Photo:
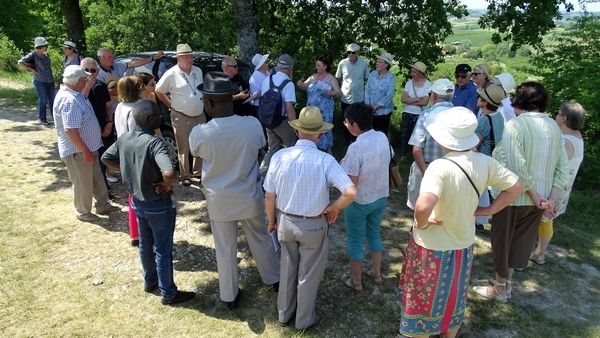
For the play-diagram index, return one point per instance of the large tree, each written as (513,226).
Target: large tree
(74,21)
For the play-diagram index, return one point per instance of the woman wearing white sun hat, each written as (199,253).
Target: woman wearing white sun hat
(440,251)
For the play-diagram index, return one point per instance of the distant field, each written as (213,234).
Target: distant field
(469,31)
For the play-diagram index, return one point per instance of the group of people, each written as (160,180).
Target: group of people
(464,137)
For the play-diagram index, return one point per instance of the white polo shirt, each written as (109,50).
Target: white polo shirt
(185,97)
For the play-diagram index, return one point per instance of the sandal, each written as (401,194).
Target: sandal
(537,260)
(492,292)
(347,280)
(376,279)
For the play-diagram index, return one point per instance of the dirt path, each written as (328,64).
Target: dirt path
(560,291)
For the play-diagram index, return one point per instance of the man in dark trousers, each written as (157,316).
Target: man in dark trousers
(148,176)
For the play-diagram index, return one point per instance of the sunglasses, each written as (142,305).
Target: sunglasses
(460,76)
(90,70)
(351,52)
(475,74)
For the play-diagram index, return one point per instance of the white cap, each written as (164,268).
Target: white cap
(442,86)
(506,81)
(40,42)
(74,72)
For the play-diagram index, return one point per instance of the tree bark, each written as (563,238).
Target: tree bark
(246,17)
(74,20)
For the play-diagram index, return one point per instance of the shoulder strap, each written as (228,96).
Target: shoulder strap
(493,142)
(468,177)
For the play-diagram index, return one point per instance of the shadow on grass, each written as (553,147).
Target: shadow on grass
(192,257)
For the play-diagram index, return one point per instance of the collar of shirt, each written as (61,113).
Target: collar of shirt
(148,131)
(306,143)
(365,134)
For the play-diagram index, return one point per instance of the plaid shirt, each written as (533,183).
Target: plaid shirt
(420,136)
(300,177)
(72,110)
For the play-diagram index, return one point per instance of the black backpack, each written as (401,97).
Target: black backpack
(269,110)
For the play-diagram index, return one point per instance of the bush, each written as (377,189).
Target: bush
(570,69)
(9,53)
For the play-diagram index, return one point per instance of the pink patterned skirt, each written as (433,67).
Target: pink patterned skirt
(434,286)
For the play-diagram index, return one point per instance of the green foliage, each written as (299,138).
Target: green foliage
(523,22)
(20,22)
(570,71)
(410,29)
(9,53)
(141,25)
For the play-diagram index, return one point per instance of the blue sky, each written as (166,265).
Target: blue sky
(481,4)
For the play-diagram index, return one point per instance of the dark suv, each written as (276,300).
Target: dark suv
(208,62)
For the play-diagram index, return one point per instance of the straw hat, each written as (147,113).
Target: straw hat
(453,128)
(420,66)
(70,44)
(183,49)
(387,57)
(493,94)
(310,121)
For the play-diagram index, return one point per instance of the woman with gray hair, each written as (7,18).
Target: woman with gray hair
(570,120)
(439,256)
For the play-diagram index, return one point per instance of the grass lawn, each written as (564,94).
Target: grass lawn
(62,277)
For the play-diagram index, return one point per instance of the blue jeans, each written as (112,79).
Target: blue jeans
(363,221)
(45,94)
(156,222)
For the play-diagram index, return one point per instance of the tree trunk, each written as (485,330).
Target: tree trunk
(74,20)
(245,13)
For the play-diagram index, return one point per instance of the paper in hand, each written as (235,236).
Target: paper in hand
(276,245)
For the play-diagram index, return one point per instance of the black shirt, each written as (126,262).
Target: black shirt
(238,107)
(98,97)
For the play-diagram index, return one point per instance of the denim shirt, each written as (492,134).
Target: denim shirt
(380,91)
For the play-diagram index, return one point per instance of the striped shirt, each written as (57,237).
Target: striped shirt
(72,110)
(532,147)
(421,137)
(300,177)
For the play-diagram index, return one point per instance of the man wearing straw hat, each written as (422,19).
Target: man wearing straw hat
(186,105)
(229,145)
(298,208)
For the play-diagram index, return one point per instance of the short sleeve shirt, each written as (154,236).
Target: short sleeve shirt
(300,177)
(288,93)
(185,96)
(41,64)
(143,157)
(353,76)
(421,91)
(72,110)
(118,69)
(446,181)
(466,96)
(368,158)
(256,81)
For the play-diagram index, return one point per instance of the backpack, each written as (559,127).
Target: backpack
(269,109)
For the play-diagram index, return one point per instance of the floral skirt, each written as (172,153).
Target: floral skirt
(434,286)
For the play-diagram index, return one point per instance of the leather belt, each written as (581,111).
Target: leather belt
(303,217)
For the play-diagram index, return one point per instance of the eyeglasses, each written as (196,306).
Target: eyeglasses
(90,70)
(460,76)
(233,66)
(349,52)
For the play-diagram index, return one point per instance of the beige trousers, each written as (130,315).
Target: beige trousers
(88,183)
(182,127)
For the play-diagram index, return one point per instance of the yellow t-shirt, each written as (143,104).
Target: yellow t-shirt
(457,199)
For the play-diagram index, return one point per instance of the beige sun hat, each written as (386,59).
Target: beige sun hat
(183,49)
(310,121)
(420,66)
(70,44)
(387,57)
(493,94)
(453,128)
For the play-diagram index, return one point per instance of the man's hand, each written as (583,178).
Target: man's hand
(331,213)
(158,55)
(88,157)
(162,187)
(429,222)
(271,227)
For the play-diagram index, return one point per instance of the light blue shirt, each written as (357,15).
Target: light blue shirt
(72,110)
(380,91)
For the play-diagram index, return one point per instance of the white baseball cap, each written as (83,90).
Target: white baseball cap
(74,72)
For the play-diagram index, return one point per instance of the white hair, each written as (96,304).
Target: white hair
(70,81)
(102,51)
(89,60)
